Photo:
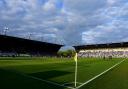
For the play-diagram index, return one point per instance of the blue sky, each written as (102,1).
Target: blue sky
(71,22)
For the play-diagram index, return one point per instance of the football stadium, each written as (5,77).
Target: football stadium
(63,44)
(29,64)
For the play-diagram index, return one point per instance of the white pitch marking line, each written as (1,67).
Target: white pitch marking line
(45,81)
(99,75)
(49,82)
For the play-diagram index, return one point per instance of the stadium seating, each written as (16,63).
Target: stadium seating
(108,52)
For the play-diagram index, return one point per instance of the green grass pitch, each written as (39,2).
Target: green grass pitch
(58,73)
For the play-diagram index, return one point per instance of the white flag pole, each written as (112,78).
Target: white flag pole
(76,73)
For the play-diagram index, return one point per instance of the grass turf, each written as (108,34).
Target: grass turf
(12,71)
(117,78)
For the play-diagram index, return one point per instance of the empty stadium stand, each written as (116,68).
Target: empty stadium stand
(99,46)
(9,44)
(115,50)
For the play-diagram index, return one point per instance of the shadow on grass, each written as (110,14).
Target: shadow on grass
(50,74)
(12,80)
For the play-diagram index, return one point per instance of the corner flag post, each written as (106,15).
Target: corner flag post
(75,58)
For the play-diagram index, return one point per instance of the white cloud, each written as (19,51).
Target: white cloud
(111,2)
(49,6)
(71,21)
